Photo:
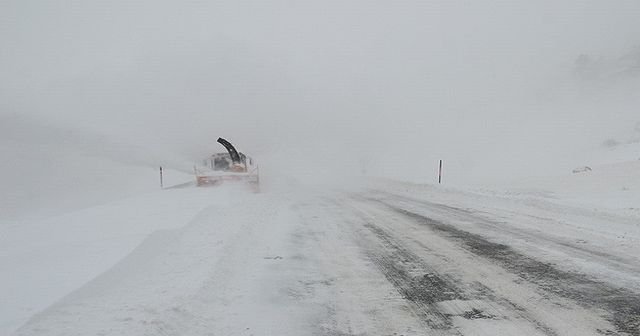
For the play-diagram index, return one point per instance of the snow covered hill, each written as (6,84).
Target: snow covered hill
(48,170)
(72,204)
(45,259)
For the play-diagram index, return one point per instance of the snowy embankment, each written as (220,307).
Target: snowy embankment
(72,205)
(43,260)
(612,188)
(220,273)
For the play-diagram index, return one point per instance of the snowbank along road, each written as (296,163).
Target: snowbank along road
(375,262)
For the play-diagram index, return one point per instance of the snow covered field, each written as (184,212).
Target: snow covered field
(384,258)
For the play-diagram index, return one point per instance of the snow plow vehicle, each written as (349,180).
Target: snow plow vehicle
(229,167)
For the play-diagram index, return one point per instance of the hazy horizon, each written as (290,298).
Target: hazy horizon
(326,88)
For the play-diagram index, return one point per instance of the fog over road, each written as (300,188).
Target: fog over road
(372,262)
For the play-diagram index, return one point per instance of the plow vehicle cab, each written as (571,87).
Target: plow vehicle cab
(231,166)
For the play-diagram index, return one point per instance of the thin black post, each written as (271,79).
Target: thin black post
(161,182)
(440,173)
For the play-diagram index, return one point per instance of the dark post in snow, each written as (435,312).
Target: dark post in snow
(161,184)
(440,173)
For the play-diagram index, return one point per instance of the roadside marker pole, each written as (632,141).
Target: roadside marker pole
(440,173)
(161,183)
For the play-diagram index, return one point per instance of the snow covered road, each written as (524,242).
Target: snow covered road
(372,262)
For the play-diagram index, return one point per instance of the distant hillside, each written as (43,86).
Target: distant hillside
(590,67)
(47,170)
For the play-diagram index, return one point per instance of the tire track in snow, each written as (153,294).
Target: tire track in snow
(357,298)
(614,262)
(623,305)
(439,298)
(415,281)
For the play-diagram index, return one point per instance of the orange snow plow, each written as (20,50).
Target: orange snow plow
(233,166)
